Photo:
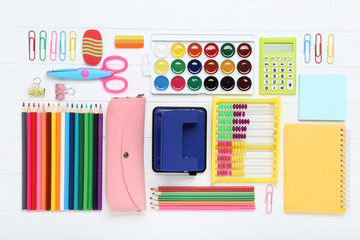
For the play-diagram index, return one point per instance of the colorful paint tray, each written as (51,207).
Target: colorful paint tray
(207,64)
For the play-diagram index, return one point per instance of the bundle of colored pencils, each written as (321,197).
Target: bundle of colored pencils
(203,198)
(62,157)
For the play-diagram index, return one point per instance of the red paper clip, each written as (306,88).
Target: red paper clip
(318,48)
(32,37)
(269,198)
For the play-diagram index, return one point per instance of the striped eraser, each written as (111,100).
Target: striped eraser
(92,46)
(125,41)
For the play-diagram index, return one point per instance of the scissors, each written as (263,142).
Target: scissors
(105,73)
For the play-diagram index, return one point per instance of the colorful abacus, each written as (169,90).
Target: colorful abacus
(245,139)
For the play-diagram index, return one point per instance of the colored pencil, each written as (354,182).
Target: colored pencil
(28,157)
(91,158)
(95,160)
(204,203)
(203,188)
(203,198)
(71,157)
(81,158)
(203,207)
(86,158)
(67,157)
(38,157)
(53,157)
(76,158)
(33,158)
(100,138)
(48,158)
(43,158)
(205,193)
(58,158)
(62,160)
(24,156)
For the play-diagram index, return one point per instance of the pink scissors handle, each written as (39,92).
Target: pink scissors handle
(113,77)
(105,67)
(107,79)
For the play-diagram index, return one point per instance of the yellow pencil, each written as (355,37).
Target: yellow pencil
(53,156)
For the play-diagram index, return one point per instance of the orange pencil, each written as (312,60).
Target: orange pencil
(57,162)
(43,158)
(204,203)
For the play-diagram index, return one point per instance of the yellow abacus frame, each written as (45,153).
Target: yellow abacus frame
(275,146)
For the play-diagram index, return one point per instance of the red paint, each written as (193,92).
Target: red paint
(211,66)
(194,50)
(178,83)
(211,50)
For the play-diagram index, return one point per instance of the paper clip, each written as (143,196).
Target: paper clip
(32,37)
(269,198)
(35,90)
(307,48)
(61,90)
(318,48)
(53,46)
(42,40)
(62,46)
(72,37)
(330,58)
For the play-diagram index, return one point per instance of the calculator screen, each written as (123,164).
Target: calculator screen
(278,47)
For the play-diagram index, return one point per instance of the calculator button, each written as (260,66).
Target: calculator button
(282,70)
(290,85)
(278,58)
(266,58)
(274,88)
(281,88)
(282,75)
(291,58)
(290,64)
(274,64)
(290,70)
(266,64)
(290,76)
(266,88)
(282,64)
(274,70)
(284,58)
(266,75)
(273,81)
(266,81)
(272,58)
(281,81)
(273,75)
(266,69)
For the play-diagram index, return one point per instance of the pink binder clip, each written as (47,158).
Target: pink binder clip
(269,198)
(61,90)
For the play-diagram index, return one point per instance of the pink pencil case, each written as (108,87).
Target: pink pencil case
(125,180)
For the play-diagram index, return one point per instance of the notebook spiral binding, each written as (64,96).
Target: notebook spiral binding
(344,192)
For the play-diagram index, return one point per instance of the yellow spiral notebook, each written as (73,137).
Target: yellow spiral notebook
(315,168)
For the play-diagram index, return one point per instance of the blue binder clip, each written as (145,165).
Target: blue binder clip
(307,47)
(179,140)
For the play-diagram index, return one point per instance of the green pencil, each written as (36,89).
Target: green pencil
(206,193)
(81,158)
(91,157)
(86,158)
(203,198)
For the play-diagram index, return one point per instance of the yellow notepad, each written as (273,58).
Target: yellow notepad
(315,168)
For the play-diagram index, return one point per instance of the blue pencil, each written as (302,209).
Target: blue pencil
(76,160)
(67,151)
(71,158)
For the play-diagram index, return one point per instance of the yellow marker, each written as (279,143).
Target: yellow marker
(178,50)
(161,66)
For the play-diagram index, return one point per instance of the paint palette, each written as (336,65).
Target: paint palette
(208,64)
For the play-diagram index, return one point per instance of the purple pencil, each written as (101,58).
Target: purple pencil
(100,138)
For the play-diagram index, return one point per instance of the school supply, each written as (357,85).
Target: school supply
(53,46)
(330,54)
(35,90)
(24,154)
(203,198)
(125,41)
(322,97)
(193,64)
(62,46)
(125,180)
(307,48)
(277,66)
(32,41)
(48,158)
(105,73)
(315,168)
(269,198)
(179,139)
(92,47)
(61,91)
(318,48)
(72,48)
(245,137)
(42,45)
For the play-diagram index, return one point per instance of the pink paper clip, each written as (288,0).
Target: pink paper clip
(269,198)
(53,46)
(61,90)
(318,48)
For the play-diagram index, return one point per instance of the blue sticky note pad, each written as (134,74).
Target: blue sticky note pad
(322,97)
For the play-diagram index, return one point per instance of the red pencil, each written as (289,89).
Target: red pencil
(204,188)
(28,158)
(33,158)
